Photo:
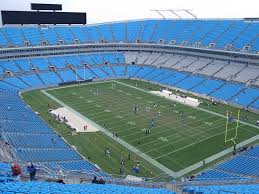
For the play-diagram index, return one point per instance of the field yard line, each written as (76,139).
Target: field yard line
(199,108)
(120,141)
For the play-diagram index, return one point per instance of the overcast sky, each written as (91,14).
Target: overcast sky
(115,10)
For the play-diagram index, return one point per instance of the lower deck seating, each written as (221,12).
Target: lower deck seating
(32,139)
(240,167)
(224,189)
(51,188)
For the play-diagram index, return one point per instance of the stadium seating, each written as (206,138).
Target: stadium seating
(47,188)
(238,33)
(249,188)
(240,167)
(32,139)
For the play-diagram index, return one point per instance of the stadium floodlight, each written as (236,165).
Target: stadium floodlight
(175,12)
(159,12)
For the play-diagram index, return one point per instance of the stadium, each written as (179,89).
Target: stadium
(137,106)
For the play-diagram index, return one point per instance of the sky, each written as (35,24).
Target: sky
(117,10)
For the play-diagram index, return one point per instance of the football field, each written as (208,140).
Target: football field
(179,135)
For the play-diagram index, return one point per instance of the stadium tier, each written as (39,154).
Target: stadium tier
(237,33)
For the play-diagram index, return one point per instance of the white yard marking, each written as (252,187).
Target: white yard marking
(191,117)
(164,139)
(118,116)
(208,123)
(131,123)
(107,110)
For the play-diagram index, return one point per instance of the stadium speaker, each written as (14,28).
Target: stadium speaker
(247,48)
(26,43)
(172,42)
(44,43)
(197,44)
(60,42)
(212,45)
(161,41)
(77,41)
(228,47)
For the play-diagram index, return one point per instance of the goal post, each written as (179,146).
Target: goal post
(236,128)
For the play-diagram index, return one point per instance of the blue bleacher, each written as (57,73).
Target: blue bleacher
(106,33)
(148,29)
(119,70)
(65,34)
(208,86)
(255,104)
(3,40)
(217,175)
(9,66)
(222,32)
(189,82)
(227,91)
(85,73)
(58,62)
(92,33)
(6,86)
(28,140)
(119,30)
(50,78)
(49,35)
(33,35)
(16,82)
(40,63)
(67,75)
(145,70)
(32,80)
(241,167)
(108,70)
(25,126)
(100,74)
(74,60)
(246,97)
(224,189)
(250,165)
(23,64)
(15,35)
(174,78)
(45,187)
(132,70)
(133,31)
(216,32)
(80,34)
(87,59)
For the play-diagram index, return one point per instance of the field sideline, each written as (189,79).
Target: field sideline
(176,141)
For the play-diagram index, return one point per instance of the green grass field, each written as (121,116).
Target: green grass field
(176,141)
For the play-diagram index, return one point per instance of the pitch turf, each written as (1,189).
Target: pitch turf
(176,141)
